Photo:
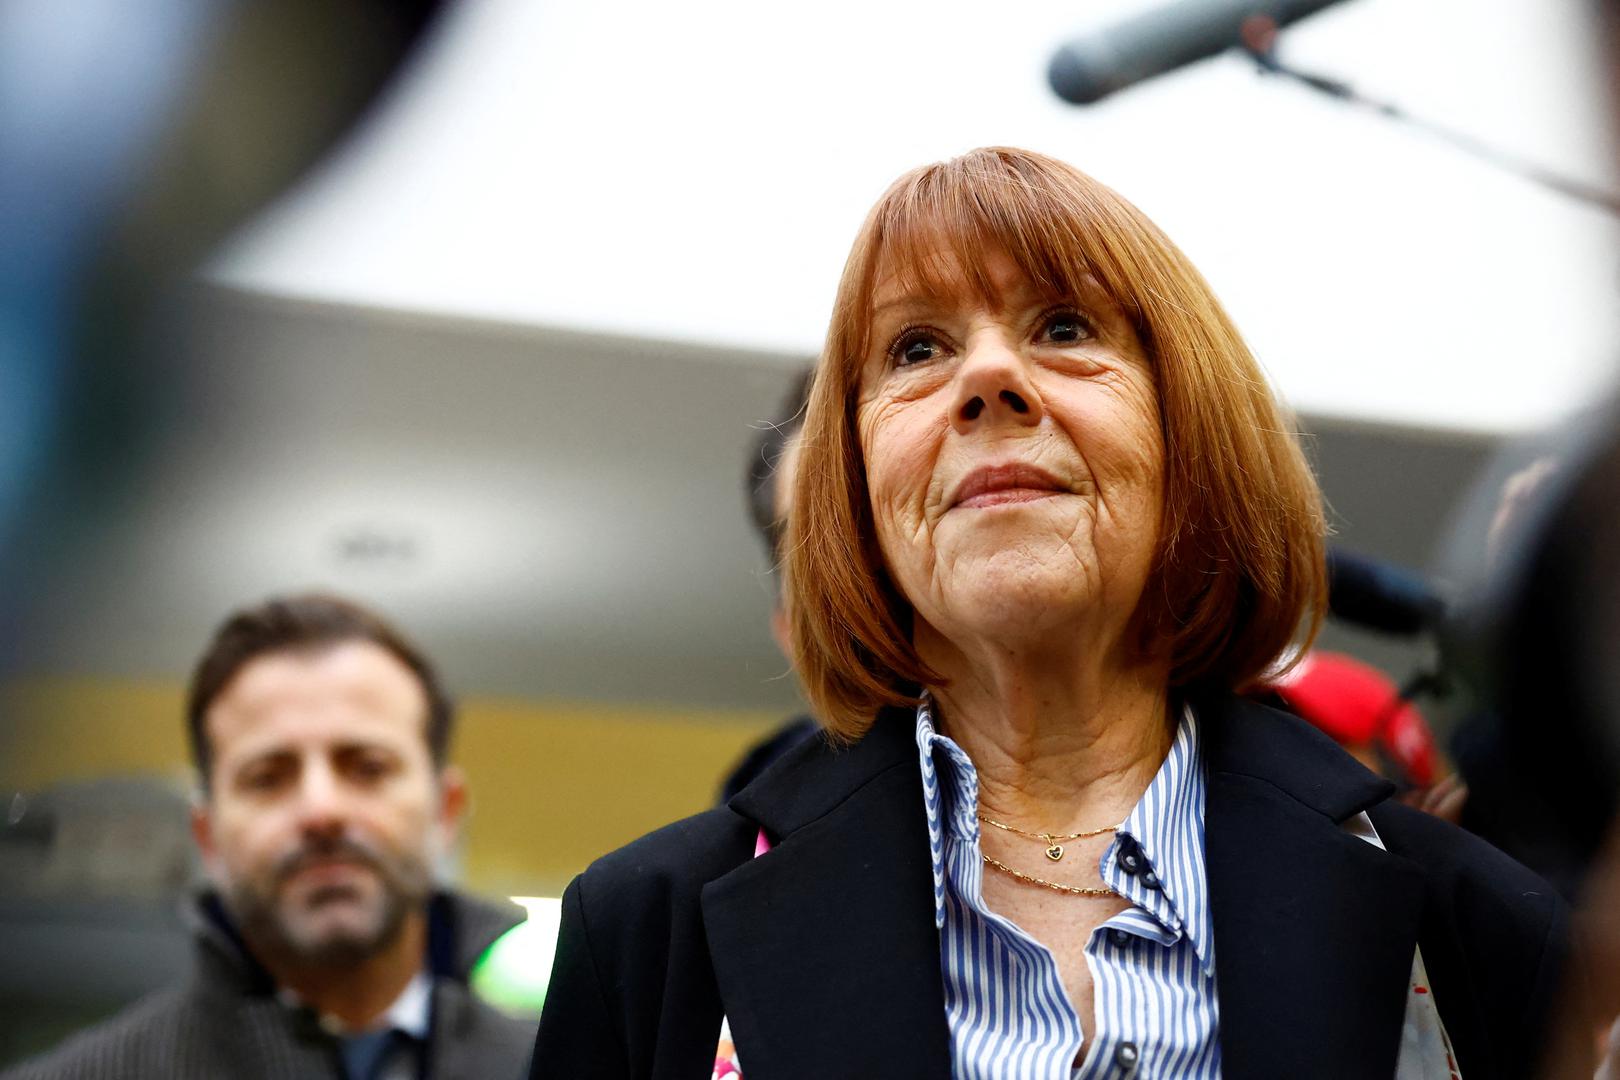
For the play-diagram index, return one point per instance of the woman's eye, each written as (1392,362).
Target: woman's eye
(914,347)
(1066,327)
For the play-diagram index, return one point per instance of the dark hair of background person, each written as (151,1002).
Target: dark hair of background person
(765,454)
(307,623)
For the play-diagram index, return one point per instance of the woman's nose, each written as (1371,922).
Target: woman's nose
(993,386)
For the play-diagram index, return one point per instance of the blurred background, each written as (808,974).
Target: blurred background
(494,366)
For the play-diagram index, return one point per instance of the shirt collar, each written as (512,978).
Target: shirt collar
(411,1012)
(951,804)
(1167,824)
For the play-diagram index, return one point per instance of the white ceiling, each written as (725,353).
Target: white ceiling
(694,172)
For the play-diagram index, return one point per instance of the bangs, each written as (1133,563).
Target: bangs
(936,231)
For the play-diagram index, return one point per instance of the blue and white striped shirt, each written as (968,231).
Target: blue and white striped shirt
(1152,965)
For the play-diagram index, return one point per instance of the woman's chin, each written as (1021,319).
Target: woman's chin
(1029,603)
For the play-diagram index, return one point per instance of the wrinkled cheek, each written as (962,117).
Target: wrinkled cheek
(898,456)
(903,540)
(888,535)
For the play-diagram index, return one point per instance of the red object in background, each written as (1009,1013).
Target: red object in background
(1357,704)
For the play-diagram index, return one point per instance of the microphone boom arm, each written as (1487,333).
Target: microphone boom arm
(1262,48)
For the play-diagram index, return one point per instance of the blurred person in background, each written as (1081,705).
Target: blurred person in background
(1047,519)
(768,488)
(1537,644)
(326,803)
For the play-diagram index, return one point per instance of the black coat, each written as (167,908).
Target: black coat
(824,956)
(226,1021)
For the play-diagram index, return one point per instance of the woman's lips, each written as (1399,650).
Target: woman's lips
(1000,485)
(1007,495)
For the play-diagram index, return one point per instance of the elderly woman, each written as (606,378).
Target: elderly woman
(1048,518)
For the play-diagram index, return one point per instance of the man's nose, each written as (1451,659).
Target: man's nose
(322,803)
(993,385)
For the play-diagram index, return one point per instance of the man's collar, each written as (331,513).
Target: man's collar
(222,952)
(410,1013)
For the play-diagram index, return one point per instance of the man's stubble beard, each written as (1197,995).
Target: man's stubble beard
(403,884)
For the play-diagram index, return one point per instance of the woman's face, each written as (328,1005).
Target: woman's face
(1014,458)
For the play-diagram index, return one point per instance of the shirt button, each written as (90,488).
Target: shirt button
(1150,880)
(1119,937)
(1126,1055)
(1130,860)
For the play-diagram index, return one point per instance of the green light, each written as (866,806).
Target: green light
(513,972)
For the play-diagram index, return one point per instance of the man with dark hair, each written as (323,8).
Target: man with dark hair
(768,486)
(320,737)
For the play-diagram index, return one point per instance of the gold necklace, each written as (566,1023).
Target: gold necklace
(1031,879)
(1054,850)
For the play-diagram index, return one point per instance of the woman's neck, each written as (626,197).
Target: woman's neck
(1062,741)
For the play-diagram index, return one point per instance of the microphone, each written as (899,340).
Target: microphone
(1088,69)
(1379,596)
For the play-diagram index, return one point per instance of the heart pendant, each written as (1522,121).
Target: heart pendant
(1055,852)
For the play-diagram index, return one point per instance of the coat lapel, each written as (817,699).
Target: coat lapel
(1314,927)
(826,954)
(824,948)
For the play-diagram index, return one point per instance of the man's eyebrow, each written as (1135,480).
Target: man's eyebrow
(268,752)
(364,746)
(259,757)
